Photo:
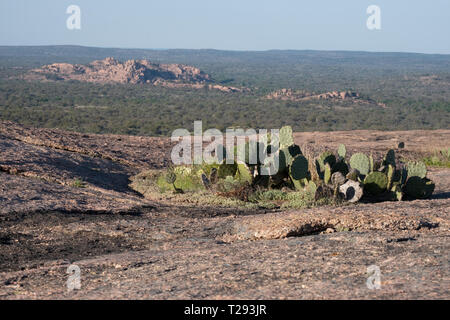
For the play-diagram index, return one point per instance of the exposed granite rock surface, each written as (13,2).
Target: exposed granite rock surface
(129,247)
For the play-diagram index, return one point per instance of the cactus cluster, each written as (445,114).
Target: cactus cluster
(328,175)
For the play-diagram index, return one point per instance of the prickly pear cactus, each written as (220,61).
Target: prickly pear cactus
(311,189)
(371,164)
(342,151)
(404,176)
(360,162)
(324,158)
(390,175)
(389,158)
(299,168)
(226,170)
(245,174)
(353,174)
(415,187)
(286,137)
(341,167)
(397,192)
(417,169)
(288,154)
(327,173)
(375,183)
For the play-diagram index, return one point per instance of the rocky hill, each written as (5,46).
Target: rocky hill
(302,95)
(111,70)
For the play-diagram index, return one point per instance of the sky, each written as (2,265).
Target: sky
(406,25)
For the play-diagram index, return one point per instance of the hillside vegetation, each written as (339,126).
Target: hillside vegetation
(415,89)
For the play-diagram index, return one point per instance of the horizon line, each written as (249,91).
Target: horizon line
(226,50)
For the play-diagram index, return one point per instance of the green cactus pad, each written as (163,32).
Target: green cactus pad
(360,162)
(341,167)
(415,187)
(417,169)
(371,164)
(226,170)
(286,137)
(389,158)
(245,175)
(397,192)
(299,168)
(327,173)
(324,158)
(311,189)
(342,151)
(375,183)
(390,175)
(404,176)
(288,154)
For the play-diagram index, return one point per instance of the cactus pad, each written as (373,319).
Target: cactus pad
(360,162)
(415,187)
(288,154)
(341,167)
(286,137)
(417,169)
(326,157)
(245,175)
(311,189)
(226,170)
(390,175)
(342,151)
(397,192)
(389,158)
(327,173)
(375,183)
(299,168)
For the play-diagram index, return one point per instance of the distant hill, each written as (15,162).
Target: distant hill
(310,90)
(274,69)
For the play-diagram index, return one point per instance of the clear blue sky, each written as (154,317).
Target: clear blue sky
(407,25)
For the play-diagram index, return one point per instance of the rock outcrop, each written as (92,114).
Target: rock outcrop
(289,94)
(302,95)
(112,70)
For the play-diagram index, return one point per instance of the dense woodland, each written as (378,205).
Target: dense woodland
(414,87)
